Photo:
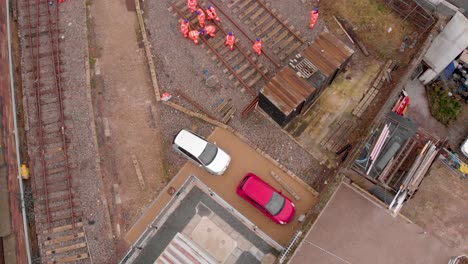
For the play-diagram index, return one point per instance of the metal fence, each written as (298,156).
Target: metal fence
(412,12)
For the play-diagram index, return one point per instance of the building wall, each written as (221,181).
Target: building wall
(446,47)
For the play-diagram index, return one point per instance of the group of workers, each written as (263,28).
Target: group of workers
(210,30)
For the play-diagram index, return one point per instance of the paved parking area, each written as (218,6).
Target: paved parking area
(244,159)
(354,228)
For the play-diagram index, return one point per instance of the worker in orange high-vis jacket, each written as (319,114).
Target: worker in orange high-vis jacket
(210,30)
(257,46)
(212,14)
(201,17)
(193,35)
(192,5)
(230,40)
(314,15)
(184,27)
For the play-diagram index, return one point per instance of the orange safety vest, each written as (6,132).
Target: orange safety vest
(192,5)
(193,35)
(230,40)
(210,30)
(257,47)
(184,28)
(201,17)
(212,14)
(313,18)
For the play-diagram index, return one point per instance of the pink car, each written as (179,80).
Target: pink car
(267,199)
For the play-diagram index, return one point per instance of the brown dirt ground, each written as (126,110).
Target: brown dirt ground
(123,95)
(441,207)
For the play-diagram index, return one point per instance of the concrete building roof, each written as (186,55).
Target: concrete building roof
(446,47)
(354,228)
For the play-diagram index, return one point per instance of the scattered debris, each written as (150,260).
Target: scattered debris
(285,186)
(352,34)
(136,164)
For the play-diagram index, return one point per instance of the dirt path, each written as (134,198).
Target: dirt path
(126,113)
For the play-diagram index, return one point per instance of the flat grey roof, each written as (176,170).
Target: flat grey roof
(354,228)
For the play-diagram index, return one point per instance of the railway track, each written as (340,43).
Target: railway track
(239,63)
(59,226)
(277,35)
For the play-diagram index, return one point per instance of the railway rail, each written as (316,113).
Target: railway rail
(268,24)
(239,62)
(59,226)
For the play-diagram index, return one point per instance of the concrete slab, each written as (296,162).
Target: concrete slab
(353,228)
(245,159)
(214,240)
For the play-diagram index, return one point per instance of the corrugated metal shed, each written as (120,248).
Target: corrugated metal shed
(287,90)
(328,53)
(326,56)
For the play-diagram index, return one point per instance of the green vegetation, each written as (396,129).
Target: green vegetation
(371,20)
(92,61)
(443,107)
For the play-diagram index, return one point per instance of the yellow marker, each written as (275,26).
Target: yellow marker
(24,171)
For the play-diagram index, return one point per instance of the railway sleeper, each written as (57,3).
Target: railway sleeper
(60,230)
(51,183)
(272,33)
(285,43)
(65,197)
(267,17)
(57,208)
(51,241)
(254,80)
(244,4)
(248,10)
(249,74)
(25,27)
(236,60)
(263,30)
(233,3)
(55,189)
(69,259)
(66,248)
(55,217)
(278,39)
(291,49)
(42,42)
(254,17)
(242,68)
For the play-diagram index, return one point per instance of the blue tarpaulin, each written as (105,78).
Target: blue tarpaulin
(449,70)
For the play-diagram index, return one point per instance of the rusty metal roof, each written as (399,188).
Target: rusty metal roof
(328,53)
(287,90)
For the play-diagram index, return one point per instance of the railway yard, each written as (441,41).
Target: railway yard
(103,86)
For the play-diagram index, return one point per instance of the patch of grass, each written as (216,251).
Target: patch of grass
(88,3)
(371,20)
(93,83)
(443,107)
(92,61)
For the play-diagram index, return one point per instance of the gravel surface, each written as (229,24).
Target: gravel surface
(78,119)
(74,53)
(182,65)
